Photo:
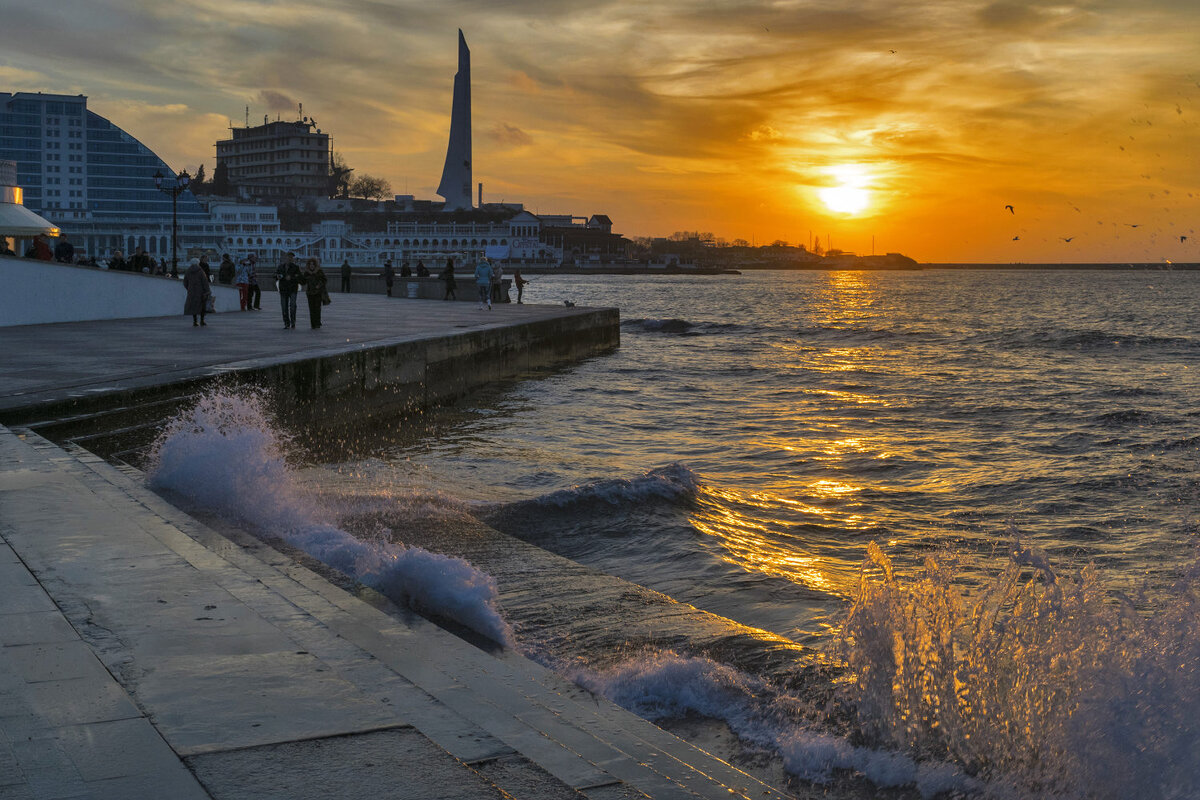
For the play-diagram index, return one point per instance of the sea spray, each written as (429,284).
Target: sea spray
(226,456)
(1042,683)
(665,684)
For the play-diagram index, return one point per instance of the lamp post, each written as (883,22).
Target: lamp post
(181,184)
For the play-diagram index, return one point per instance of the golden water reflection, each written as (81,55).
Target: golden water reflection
(751,542)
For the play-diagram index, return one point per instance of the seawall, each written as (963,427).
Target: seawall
(372,354)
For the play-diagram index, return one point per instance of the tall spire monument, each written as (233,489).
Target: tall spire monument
(456,174)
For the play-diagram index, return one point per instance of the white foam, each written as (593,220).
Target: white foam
(666,684)
(226,456)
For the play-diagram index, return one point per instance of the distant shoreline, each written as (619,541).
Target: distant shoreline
(1115,265)
(737,269)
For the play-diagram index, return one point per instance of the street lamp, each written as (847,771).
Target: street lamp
(181,184)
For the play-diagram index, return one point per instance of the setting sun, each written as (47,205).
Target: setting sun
(850,195)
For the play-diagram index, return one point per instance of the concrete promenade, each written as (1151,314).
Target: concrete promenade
(366,341)
(145,655)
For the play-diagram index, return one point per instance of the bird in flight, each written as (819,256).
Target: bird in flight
(1010,210)
(1183,238)
(1066,238)
(1016,238)
(1132,225)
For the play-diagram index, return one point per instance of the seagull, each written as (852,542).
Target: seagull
(1010,210)
(1015,238)
(1066,238)
(1183,238)
(1132,225)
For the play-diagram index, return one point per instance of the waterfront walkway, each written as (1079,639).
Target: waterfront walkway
(44,363)
(145,655)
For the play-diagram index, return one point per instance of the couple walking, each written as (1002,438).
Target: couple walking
(289,277)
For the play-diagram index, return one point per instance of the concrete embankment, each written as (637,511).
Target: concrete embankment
(372,354)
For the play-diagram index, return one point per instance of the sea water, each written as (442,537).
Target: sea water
(974,492)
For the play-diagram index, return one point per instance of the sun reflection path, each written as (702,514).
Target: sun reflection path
(744,527)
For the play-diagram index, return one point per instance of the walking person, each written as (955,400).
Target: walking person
(483,281)
(389,276)
(497,283)
(313,278)
(287,279)
(520,282)
(255,300)
(199,290)
(241,277)
(345,276)
(451,282)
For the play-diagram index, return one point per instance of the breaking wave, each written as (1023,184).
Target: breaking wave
(225,456)
(674,483)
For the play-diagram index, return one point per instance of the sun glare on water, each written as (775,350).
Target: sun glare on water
(850,194)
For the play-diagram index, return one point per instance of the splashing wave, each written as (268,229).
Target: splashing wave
(225,456)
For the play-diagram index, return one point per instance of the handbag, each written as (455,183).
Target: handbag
(325,299)
(210,304)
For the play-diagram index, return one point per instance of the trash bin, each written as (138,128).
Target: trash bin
(414,291)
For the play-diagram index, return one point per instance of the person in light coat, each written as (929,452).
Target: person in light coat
(483,281)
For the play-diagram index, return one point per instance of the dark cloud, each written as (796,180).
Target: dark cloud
(509,135)
(276,101)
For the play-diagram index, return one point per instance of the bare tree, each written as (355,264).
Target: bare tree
(369,187)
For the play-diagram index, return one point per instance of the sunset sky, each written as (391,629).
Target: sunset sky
(915,123)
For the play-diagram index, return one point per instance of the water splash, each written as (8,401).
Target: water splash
(665,684)
(226,456)
(1043,683)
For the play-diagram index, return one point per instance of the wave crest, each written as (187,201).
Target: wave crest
(226,456)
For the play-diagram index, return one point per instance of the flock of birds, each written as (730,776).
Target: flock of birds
(1009,208)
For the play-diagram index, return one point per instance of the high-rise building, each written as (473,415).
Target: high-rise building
(276,161)
(456,174)
(93,179)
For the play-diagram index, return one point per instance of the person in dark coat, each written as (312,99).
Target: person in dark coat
(118,262)
(389,276)
(422,272)
(346,276)
(287,279)
(64,251)
(451,282)
(226,270)
(255,289)
(198,292)
(520,283)
(313,278)
(140,261)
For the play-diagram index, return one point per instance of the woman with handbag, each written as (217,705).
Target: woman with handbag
(313,278)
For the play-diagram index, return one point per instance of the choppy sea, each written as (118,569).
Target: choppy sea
(969,496)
